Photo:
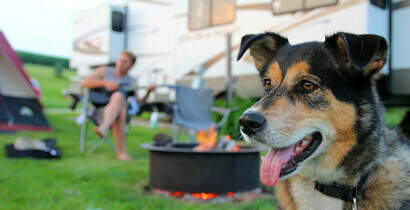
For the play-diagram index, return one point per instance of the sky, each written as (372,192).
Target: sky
(41,26)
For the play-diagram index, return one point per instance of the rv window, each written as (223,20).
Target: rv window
(207,13)
(117,21)
(199,14)
(223,11)
(286,6)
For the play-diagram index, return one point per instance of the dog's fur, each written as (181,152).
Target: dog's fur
(343,106)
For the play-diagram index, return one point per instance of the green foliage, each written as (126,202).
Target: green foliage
(395,115)
(58,69)
(42,59)
(231,126)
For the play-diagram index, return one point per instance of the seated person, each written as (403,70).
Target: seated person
(114,114)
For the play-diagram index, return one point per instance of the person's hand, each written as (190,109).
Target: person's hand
(151,88)
(110,85)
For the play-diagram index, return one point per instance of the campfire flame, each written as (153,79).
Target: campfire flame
(208,141)
(202,196)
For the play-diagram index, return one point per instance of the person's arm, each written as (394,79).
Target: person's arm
(150,88)
(96,80)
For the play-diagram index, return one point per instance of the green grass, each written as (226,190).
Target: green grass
(96,180)
(51,85)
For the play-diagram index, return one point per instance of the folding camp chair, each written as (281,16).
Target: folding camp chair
(192,111)
(88,113)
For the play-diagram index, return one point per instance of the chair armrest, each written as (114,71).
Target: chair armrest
(74,96)
(226,112)
(219,110)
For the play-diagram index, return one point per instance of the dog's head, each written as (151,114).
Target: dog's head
(309,112)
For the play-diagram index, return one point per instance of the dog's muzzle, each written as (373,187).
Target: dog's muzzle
(251,122)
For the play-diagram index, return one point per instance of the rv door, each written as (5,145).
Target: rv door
(118,32)
(400,45)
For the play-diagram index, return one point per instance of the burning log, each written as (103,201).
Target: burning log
(207,142)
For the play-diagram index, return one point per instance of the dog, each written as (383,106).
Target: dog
(323,120)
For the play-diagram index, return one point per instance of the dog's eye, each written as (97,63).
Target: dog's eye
(268,84)
(308,86)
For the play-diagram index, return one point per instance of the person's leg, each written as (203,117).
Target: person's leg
(118,130)
(111,111)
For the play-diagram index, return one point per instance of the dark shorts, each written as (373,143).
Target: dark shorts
(96,115)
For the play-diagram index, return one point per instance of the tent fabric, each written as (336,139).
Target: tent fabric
(11,64)
(11,81)
(20,108)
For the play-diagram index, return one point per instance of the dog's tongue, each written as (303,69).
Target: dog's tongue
(272,164)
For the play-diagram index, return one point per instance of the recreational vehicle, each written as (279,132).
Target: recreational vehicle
(184,41)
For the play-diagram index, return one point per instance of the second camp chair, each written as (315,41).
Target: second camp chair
(192,110)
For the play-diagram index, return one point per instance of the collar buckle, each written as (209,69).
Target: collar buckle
(354,204)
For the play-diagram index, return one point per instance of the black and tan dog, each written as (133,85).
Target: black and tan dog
(324,123)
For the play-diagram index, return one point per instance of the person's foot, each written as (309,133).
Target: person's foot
(99,132)
(124,157)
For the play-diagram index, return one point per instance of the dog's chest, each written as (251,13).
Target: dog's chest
(307,197)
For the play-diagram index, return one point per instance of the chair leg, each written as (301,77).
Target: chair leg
(110,143)
(83,136)
(174,132)
(95,146)
(191,135)
(98,142)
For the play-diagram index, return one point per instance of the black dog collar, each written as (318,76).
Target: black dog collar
(345,193)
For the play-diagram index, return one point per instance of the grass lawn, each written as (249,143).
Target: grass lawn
(51,85)
(91,181)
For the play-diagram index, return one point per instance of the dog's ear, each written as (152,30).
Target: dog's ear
(263,47)
(364,54)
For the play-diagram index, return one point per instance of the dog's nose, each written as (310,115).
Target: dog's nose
(251,122)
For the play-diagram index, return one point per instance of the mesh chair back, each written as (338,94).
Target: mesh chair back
(193,108)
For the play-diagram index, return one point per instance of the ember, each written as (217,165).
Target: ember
(204,196)
(213,197)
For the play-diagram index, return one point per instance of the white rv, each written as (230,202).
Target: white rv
(178,41)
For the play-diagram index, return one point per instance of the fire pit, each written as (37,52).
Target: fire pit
(179,169)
